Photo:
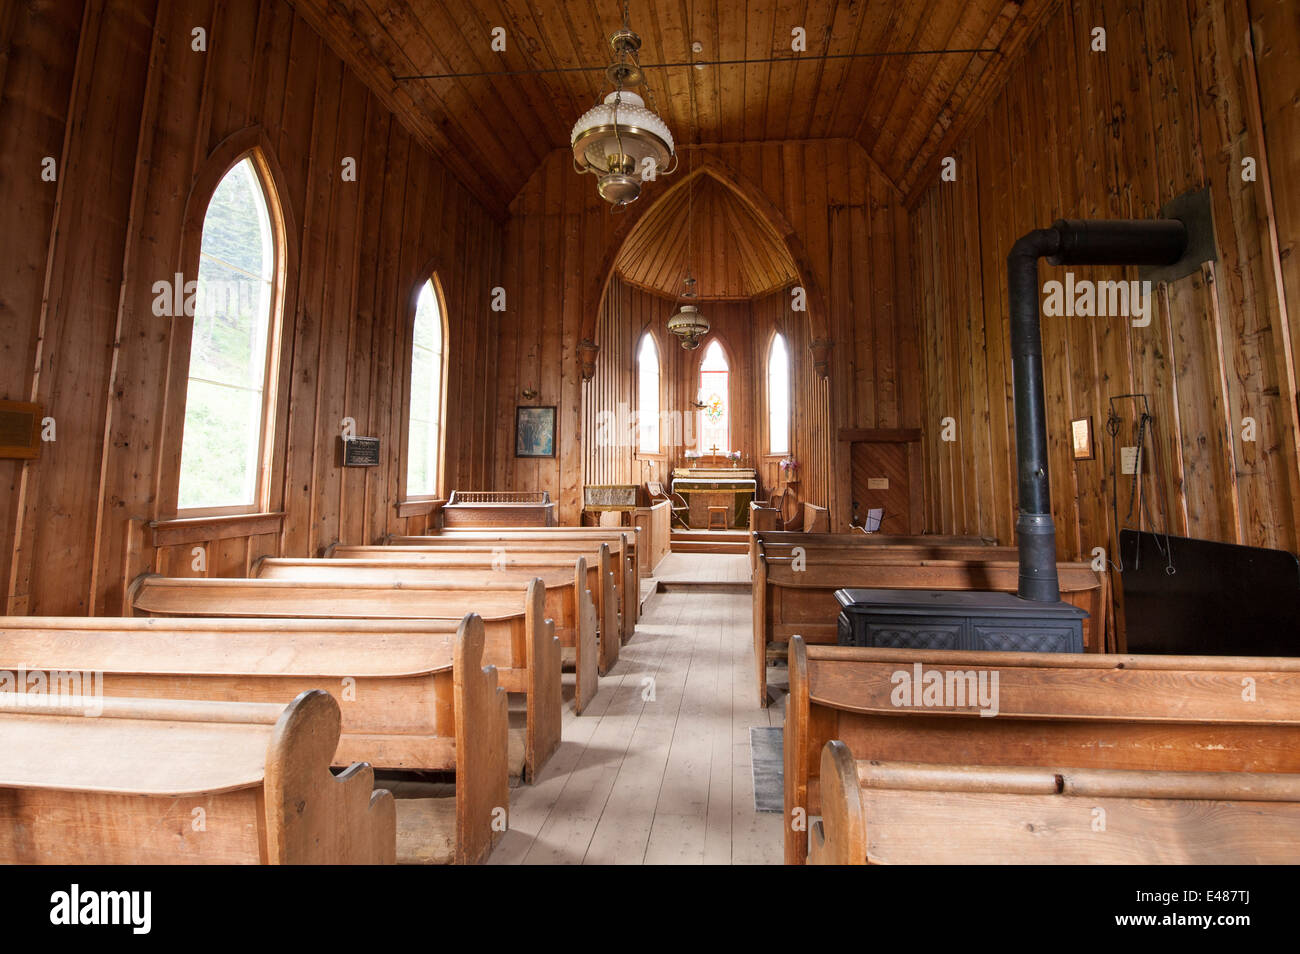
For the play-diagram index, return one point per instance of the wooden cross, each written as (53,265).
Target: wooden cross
(714,450)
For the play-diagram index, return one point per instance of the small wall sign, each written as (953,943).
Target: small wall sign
(360,451)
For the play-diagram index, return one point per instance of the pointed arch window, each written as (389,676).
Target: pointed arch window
(647,369)
(778,396)
(230,400)
(424,449)
(714,394)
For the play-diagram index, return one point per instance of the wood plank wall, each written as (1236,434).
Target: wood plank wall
(1166,109)
(852,225)
(113,91)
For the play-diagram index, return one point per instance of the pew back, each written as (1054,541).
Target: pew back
(414,695)
(883,812)
(568,601)
(601,578)
(1160,713)
(789,600)
(121,783)
(519,640)
(622,558)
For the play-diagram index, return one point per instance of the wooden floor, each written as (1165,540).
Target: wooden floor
(658,769)
(703,568)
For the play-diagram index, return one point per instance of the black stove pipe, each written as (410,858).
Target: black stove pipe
(1067,242)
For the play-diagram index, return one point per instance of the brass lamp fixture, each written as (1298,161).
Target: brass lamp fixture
(620,140)
(687,323)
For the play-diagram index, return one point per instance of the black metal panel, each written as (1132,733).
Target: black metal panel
(938,619)
(1220,598)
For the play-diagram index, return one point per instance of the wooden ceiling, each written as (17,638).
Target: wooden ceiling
(736,255)
(493,130)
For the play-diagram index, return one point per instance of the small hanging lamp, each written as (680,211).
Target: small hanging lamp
(687,323)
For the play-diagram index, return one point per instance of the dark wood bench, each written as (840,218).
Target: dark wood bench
(1083,711)
(519,640)
(568,601)
(166,781)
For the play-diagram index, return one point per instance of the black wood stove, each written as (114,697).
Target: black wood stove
(1034,618)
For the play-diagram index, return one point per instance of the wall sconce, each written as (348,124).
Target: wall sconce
(699,405)
(530,394)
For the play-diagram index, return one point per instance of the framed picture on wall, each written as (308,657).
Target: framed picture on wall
(535,431)
(1081,438)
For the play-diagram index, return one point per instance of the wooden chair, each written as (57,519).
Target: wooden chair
(568,601)
(127,781)
(1081,711)
(883,812)
(676,502)
(519,640)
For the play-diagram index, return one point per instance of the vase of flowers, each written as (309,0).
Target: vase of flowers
(734,457)
(789,469)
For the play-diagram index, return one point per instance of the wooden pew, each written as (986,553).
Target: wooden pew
(626,539)
(123,781)
(883,812)
(779,542)
(789,601)
(568,601)
(1085,711)
(621,543)
(519,640)
(601,578)
(496,508)
(414,695)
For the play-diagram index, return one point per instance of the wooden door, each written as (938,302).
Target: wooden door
(881,479)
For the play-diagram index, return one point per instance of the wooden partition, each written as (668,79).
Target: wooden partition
(655,538)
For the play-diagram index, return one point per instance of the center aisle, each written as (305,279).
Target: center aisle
(658,769)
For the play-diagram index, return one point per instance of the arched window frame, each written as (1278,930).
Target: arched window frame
(731,393)
(772,450)
(252,144)
(429,276)
(658,450)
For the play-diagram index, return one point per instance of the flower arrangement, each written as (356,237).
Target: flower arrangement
(734,455)
(693,455)
(789,466)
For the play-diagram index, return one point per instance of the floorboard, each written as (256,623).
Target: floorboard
(658,770)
